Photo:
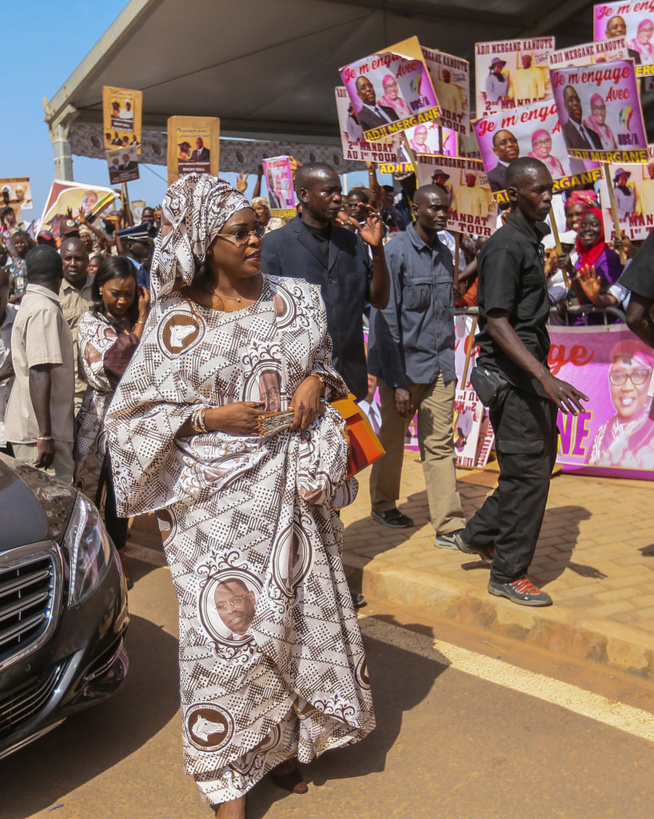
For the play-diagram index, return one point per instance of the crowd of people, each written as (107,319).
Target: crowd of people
(139,366)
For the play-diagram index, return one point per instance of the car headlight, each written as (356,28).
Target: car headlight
(89,550)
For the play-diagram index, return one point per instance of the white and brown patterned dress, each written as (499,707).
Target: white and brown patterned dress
(272,661)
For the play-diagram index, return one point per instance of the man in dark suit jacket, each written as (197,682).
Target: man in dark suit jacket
(576,135)
(372,115)
(200,154)
(310,247)
(506,149)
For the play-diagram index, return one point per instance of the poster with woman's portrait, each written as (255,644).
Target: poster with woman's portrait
(533,130)
(635,23)
(614,436)
(633,191)
(600,112)
(429,138)
(391,90)
(17,192)
(511,73)
(354,146)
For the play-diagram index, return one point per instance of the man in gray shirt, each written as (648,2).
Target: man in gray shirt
(411,351)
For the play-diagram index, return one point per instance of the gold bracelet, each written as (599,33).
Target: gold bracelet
(198,421)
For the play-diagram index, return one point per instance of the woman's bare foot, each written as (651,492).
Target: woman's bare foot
(288,775)
(234,809)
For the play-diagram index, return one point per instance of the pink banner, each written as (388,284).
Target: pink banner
(614,437)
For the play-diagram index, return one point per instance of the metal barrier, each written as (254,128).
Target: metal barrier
(572,310)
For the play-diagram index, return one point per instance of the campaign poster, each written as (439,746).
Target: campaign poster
(426,139)
(193,146)
(590,53)
(472,209)
(614,436)
(73,196)
(450,76)
(635,23)
(534,130)
(279,183)
(600,112)
(17,192)
(633,190)
(511,73)
(122,165)
(391,90)
(121,115)
(354,146)
(137,207)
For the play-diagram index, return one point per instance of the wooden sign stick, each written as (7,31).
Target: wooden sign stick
(614,209)
(557,245)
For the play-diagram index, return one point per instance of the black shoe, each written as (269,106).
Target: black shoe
(485,552)
(521,591)
(358,600)
(393,518)
(447,541)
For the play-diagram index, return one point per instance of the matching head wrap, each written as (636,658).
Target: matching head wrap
(196,207)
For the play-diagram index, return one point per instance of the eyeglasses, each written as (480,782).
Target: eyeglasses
(231,603)
(242,237)
(637,377)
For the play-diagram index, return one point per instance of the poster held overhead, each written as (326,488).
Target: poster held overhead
(391,90)
(65,195)
(635,23)
(590,53)
(121,115)
(193,146)
(450,76)
(354,146)
(633,191)
(510,73)
(279,181)
(123,165)
(18,192)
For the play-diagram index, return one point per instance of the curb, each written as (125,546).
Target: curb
(601,642)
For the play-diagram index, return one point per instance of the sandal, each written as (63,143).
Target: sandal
(292,781)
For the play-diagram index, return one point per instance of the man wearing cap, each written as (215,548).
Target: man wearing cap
(645,204)
(439,178)
(577,135)
(497,83)
(372,114)
(76,298)
(411,351)
(471,199)
(506,149)
(625,195)
(136,244)
(528,82)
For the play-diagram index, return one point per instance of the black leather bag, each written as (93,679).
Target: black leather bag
(489,385)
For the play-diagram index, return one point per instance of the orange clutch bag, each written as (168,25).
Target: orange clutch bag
(364,447)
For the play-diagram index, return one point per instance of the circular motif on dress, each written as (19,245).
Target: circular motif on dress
(361,674)
(227,605)
(292,558)
(284,305)
(167,525)
(179,333)
(209,727)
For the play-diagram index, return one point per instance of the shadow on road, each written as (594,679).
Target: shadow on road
(401,679)
(93,741)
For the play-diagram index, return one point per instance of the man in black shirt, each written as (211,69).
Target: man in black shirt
(639,279)
(514,344)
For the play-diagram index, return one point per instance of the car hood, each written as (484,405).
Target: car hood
(33,505)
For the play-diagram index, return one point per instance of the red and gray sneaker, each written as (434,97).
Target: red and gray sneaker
(521,591)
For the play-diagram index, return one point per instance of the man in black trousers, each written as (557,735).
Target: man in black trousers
(514,344)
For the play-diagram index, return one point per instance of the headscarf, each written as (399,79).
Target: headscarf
(589,255)
(260,200)
(586,198)
(196,207)
(635,350)
(398,104)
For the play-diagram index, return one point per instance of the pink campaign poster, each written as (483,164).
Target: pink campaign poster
(391,90)
(635,23)
(354,146)
(425,139)
(279,181)
(633,190)
(600,113)
(533,130)
(614,437)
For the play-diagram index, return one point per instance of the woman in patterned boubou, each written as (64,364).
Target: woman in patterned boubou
(272,662)
(108,336)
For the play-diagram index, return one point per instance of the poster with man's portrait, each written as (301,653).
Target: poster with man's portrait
(600,112)
(633,191)
(73,196)
(17,192)
(450,76)
(279,182)
(354,146)
(122,165)
(121,117)
(472,209)
(512,73)
(193,146)
(391,90)
(633,22)
(535,131)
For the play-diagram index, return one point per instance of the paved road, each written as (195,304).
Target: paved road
(467,729)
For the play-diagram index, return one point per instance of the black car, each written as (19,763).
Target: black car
(63,605)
